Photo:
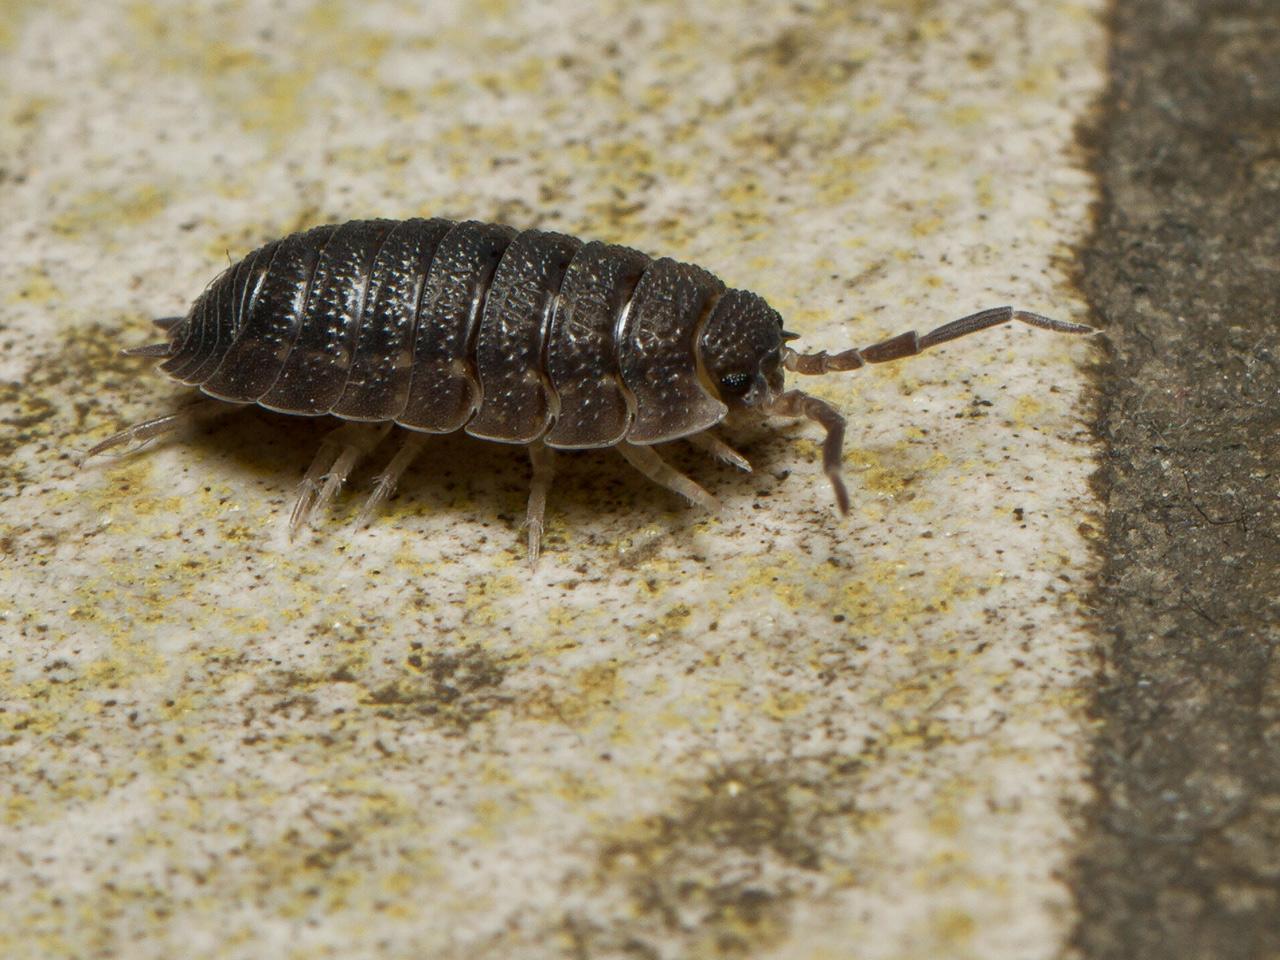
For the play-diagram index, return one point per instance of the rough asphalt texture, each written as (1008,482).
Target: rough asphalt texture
(1183,858)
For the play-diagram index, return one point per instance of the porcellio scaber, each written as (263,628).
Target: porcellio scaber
(524,337)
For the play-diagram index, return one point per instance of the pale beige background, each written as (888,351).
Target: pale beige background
(772,734)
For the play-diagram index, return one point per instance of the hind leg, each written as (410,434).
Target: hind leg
(338,455)
(141,434)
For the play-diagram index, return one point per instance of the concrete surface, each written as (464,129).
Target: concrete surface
(772,734)
(1182,855)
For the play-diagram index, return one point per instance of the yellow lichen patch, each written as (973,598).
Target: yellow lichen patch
(785,577)
(560,616)
(35,287)
(127,496)
(913,695)
(402,103)
(333,863)
(1041,77)
(871,470)
(579,791)
(985,191)
(496,9)
(44,709)
(885,593)
(13,14)
(528,76)
(409,558)
(274,102)
(21,118)
(968,116)
(844,178)
(369,157)
(952,930)
(269,94)
(931,28)
(927,226)
(492,818)
(804,62)
(106,211)
(667,627)
(486,597)
(1027,409)
(782,704)
(717,698)
(586,697)
(946,821)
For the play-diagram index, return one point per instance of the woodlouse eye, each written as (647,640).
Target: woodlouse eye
(735,384)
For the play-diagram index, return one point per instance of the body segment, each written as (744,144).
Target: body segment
(656,352)
(314,372)
(444,390)
(516,402)
(263,333)
(381,368)
(582,357)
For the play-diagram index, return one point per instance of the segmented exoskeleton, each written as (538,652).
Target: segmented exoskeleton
(531,337)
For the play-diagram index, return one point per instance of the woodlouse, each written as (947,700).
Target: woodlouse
(526,337)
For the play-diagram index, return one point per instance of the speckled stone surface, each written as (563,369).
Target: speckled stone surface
(774,733)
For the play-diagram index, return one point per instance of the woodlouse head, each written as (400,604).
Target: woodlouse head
(740,350)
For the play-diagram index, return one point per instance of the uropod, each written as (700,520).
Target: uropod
(524,337)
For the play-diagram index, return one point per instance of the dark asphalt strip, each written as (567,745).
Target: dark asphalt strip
(1181,856)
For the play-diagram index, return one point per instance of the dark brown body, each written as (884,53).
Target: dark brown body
(439,326)
(523,337)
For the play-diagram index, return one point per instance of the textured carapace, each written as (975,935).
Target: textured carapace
(526,337)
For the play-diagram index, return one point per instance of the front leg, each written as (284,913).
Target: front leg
(795,403)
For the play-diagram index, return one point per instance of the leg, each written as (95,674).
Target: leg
(542,458)
(156,349)
(338,455)
(143,433)
(150,350)
(646,460)
(911,343)
(385,485)
(713,445)
(793,403)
